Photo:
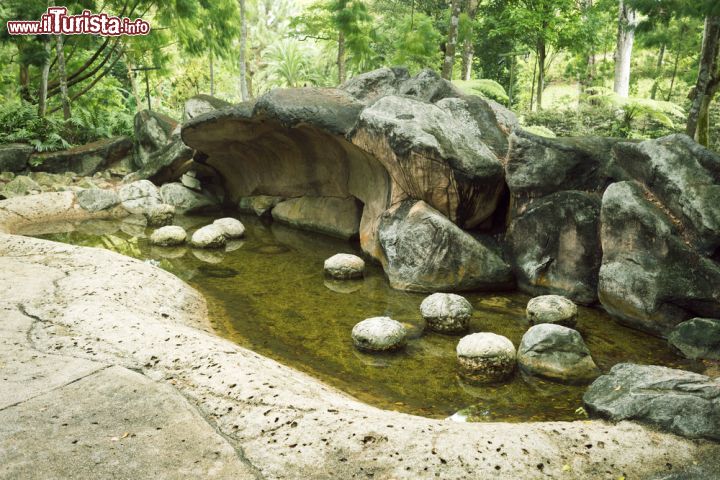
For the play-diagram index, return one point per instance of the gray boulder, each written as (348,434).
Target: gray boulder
(651,278)
(339,217)
(492,122)
(163,164)
(200,104)
(555,245)
(14,157)
(682,402)
(153,132)
(185,200)
(329,109)
(95,200)
(424,251)
(697,338)
(685,177)
(538,166)
(137,197)
(433,156)
(84,160)
(557,353)
(368,87)
(428,86)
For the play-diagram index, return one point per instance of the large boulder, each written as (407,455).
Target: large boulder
(14,157)
(539,166)
(260,205)
(164,164)
(186,200)
(697,338)
(433,156)
(138,197)
(339,217)
(682,402)
(555,246)
(428,86)
(492,122)
(557,353)
(153,131)
(685,177)
(84,160)
(651,278)
(425,252)
(199,104)
(370,86)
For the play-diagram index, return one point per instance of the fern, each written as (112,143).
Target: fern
(484,88)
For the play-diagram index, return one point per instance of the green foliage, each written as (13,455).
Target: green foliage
(484,88)
(540,131)
(417,42)
(20,123)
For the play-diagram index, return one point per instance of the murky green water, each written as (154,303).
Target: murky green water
(267,292)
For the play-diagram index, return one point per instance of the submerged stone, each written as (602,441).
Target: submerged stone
(697,338)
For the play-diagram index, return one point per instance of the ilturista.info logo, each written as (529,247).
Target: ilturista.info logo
(56,21)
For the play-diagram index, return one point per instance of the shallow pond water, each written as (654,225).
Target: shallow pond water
(267,292)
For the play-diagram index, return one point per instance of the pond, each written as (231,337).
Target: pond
(268,293)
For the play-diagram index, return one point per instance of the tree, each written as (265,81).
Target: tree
(708,81)
(63,79)
(416,44)
(467,31)
(627,22)
(243,51)
(451,45)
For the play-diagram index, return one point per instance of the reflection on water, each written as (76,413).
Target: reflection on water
(268,293)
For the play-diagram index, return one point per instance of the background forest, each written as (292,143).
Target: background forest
(627,68)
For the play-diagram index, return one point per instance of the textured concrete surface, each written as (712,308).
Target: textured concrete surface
(101,349)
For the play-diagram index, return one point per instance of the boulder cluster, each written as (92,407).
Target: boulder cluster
(449,194)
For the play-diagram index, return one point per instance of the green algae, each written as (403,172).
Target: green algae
(268,293)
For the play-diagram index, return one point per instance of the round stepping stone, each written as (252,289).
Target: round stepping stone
(344,266)
(168,236)
(486,357)
(231,227)
(209,236)
(552,309)
(379,334)
(446,312)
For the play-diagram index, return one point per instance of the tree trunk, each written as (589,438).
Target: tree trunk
(627,21)
(658,70)
(45,73)
(63,79)
(589,77)
(133,84)
(674,75)
(212,76)
(451,45)
(468,46)
(707,73)
(243,49)
(532,84)
(703,125)
(467,59)
(341,58)
(541,73)
(25,82)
